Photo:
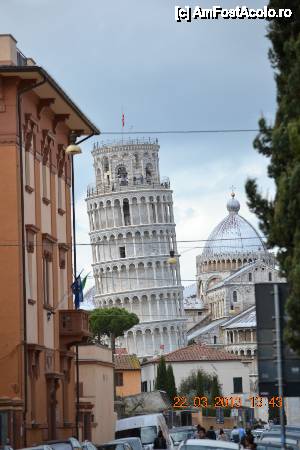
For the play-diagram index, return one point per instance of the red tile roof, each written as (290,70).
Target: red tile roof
(127,362)
(197,352)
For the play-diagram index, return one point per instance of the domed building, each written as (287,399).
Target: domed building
(233,260)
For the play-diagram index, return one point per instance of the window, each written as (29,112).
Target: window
(270,276)
(234,296)
(126,212)
(238,385)
(122,252)
(250,276)
(119,379)
(46,281)
(215,339)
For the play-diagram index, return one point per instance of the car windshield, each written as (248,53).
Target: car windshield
(179,436)
(203,447)
(61,446)
(111,447)
(148,434)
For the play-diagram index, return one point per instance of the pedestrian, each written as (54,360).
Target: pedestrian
(202,433)
(159,441)
(249,442)
(211,434)
(197,432)
(234,435)
(242,432)
(222,436)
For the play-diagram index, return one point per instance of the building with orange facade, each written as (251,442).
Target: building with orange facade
(38,326)
(127,375)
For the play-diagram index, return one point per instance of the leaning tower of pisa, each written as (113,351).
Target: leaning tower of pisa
(132,232)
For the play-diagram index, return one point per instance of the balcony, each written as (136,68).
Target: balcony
(73,327)
(127,185)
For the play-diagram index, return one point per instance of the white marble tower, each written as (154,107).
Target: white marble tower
(132,231)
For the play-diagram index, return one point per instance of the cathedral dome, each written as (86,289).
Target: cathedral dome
(233,235)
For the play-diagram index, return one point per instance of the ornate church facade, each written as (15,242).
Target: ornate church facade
(132,232)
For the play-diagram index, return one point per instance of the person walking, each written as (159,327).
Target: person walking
(160,441)
(222,436)
(211,434)
(235,435)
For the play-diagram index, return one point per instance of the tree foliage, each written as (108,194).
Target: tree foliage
(161,377)
(112,322)
(279,218)
(201,384)
(171,385)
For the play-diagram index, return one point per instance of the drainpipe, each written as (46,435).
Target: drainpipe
(19,112)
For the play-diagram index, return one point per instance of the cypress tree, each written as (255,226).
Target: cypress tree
(161,378)
(279,218)
(200,383)
(171,385)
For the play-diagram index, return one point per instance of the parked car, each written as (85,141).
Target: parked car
(67,444)
(87,445)
(134,442)
(257,433)
(274,435)
(273,446)
(146,427)
(38,447)
(114,445)
(180,434)
(207,444)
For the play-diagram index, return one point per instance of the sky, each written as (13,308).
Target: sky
(131,55)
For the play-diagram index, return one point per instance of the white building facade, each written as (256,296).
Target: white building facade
(132,232)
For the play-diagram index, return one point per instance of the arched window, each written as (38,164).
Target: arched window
(122,175)
(250,276)
(105,164)
(215,339)
(270,276)
(149,170)
(234,296)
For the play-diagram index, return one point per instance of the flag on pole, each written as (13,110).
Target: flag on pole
(83,282)
(123,120)
(77,292)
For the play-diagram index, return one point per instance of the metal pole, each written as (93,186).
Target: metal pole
(75,275)
(279,361)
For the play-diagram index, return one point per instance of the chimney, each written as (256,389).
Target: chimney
(8,50)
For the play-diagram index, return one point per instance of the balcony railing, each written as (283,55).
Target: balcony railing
(126,185)
(73,327)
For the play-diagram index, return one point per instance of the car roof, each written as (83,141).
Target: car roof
(211,443)
(133,438)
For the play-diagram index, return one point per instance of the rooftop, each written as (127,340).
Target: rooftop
(127,362)
(196,352)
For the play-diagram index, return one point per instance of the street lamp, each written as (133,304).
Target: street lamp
(72,150)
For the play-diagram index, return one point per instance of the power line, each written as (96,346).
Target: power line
(121,133)
(123,240)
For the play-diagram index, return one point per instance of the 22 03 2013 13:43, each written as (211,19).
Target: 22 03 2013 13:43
(226,402)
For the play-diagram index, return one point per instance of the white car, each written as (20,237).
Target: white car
(207,444)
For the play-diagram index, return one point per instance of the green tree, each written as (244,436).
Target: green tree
(200,383)
(111,322)
(279,218)
(161,377)
(171,385)
(215,388)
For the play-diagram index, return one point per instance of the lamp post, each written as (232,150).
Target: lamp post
(73,150)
